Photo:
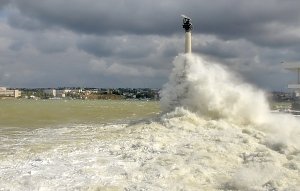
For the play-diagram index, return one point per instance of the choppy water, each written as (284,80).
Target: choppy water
(39,133)
(42,113)
(214,133)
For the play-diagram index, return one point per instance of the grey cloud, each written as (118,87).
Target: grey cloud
(264,23)
(46,38)
(224,50)
(46,70)
(124,46)
(93,16)
(16,46)
(17,19)
(225,17)
(259,65)
(3,3)
(96,46)
(278,36)
(51,42)
(218,49)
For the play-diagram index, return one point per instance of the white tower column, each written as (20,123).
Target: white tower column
(187,25)
(188,42)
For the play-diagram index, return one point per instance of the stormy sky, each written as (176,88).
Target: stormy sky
(132,43)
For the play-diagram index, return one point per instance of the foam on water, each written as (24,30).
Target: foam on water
(212,92)
(216,133)
(209,90)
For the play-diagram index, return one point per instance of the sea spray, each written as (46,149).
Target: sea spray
(213,93)
(209,90)
(216,133)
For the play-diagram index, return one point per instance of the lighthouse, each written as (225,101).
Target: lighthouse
(187,25)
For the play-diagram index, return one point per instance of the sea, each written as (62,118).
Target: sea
(210,131)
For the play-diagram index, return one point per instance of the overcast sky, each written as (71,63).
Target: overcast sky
(132,43)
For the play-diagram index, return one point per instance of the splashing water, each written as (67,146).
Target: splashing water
(212,92)
(216,133)
(208,91)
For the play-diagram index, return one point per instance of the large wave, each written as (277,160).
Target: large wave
(209,93)
(209,90)
(215,133)
(212,92)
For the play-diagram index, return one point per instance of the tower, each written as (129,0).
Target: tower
(187,25)
(295,67)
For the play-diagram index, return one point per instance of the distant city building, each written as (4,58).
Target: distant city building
(295,67)
(51,92)
(83,93)
(4,92)
(62,93)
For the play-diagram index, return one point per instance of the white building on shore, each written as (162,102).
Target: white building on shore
(4,92)
(51,92)
(295,87)
(57,93)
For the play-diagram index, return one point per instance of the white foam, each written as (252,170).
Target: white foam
(216,134)
(211,91)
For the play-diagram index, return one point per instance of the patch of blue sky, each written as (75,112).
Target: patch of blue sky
(3,15)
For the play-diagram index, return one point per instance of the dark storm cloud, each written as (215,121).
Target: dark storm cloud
(100,17)
(3,3)
(218,49)
(96,47)
(261,22)
(49,42)
(18,20)
(134,42)
(123,46)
